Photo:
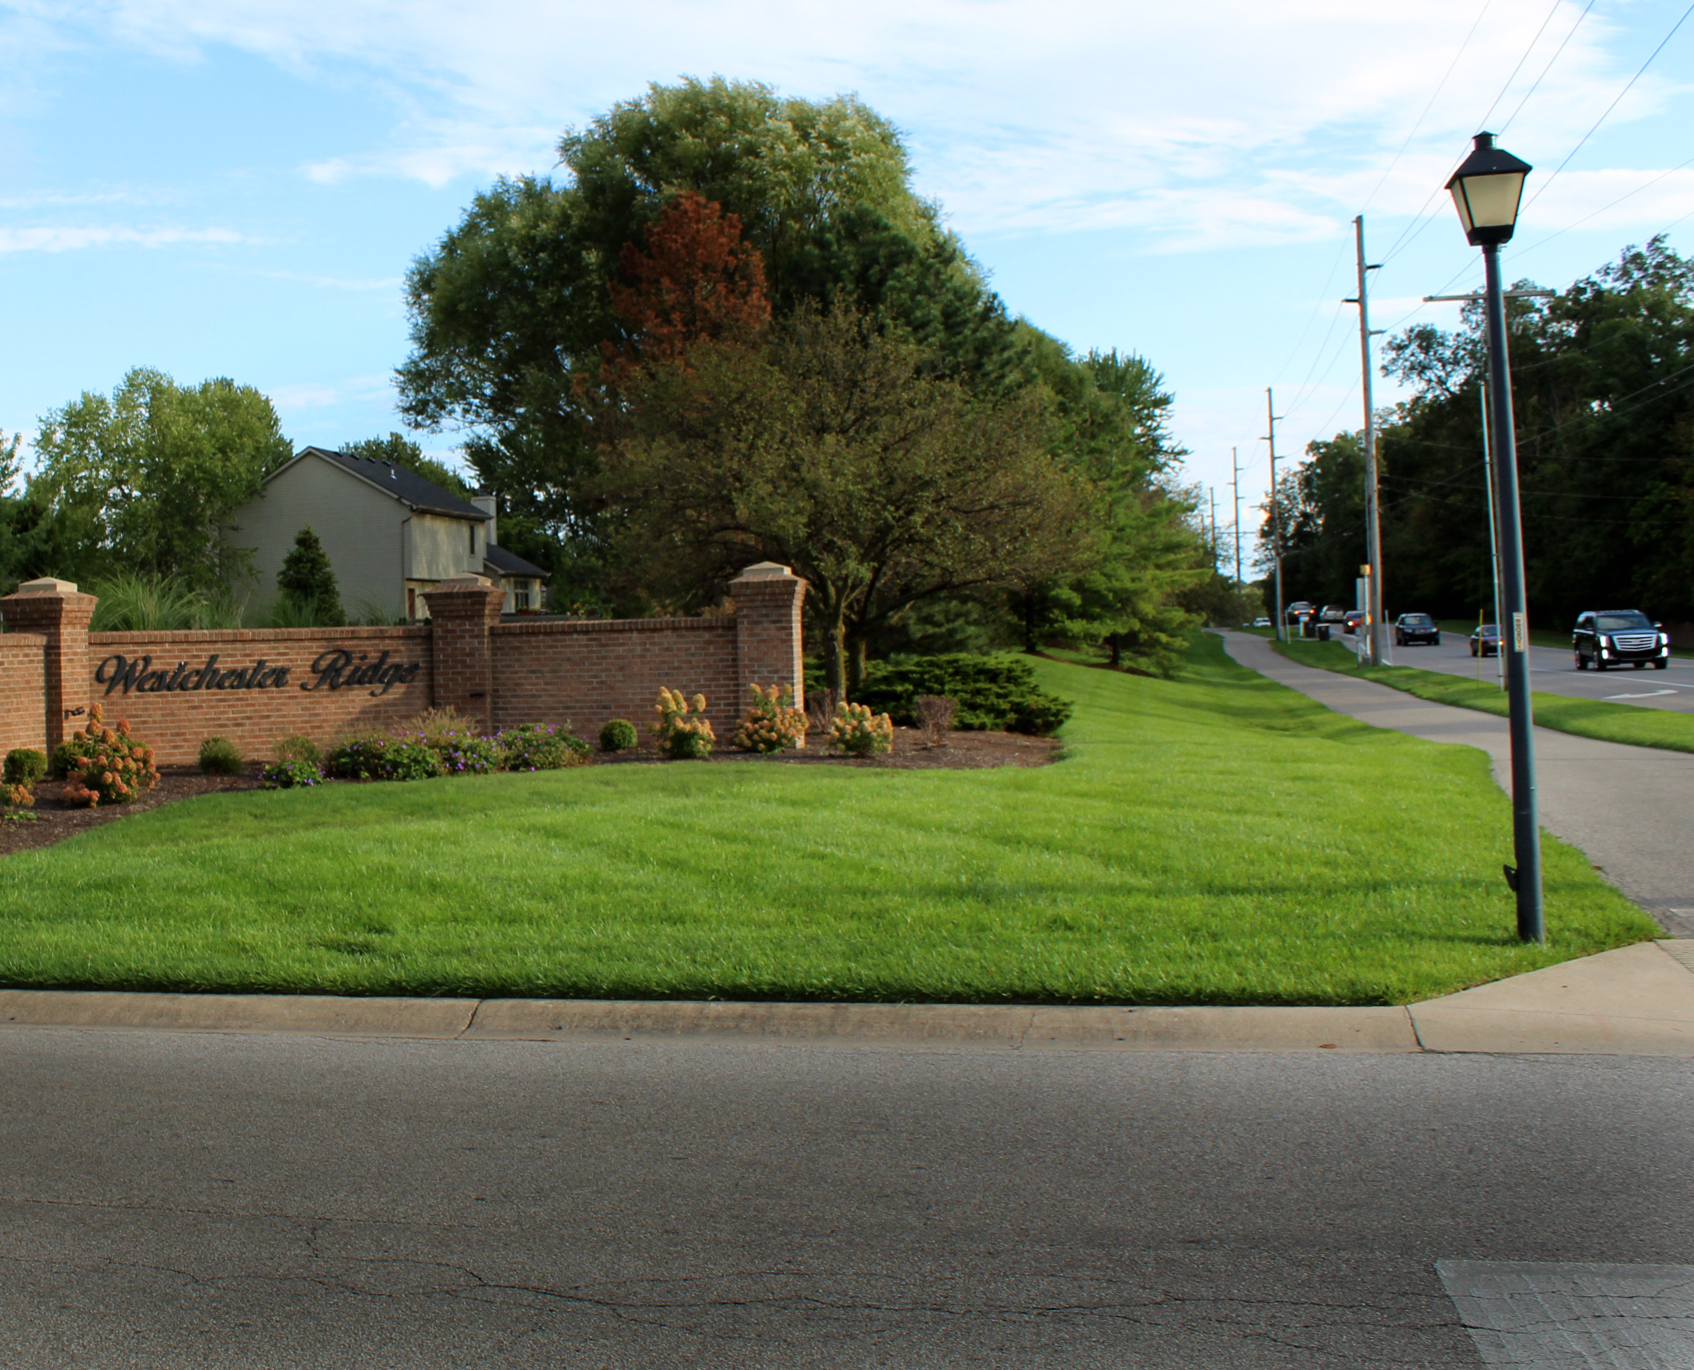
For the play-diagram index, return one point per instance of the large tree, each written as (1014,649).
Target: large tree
(514,311)
(143,480)
(836,448)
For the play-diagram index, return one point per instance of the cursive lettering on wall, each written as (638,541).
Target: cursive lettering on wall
(334,669)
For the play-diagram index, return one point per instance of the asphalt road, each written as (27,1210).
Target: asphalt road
(1555,672)
(190,1201)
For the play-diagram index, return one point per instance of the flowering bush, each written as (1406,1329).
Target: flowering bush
(541,747)
(859,732)
(383,758)
(16,797)
(771,723)
(102,764)
(288,775)
(684,734)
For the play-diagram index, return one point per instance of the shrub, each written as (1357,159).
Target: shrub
(13,796)
(383,758)
(218,756)
(542,747)
(466,755)
(935,716)
(772,723)
(683,734)
(307,581)
(992,692)
(438,725)
(859,732)
(25,766)
(619,735)
(102,764)
(290,774)
(299,747)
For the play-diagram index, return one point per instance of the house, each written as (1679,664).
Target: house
(389,533)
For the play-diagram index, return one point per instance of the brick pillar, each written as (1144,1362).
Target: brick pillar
(768,648)
(55,609)
(462,611)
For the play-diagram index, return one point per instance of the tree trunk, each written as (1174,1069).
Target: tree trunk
(1116,644)
(835,653)
(855,668)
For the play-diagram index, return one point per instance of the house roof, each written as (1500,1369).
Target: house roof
(407,487)
(504,563)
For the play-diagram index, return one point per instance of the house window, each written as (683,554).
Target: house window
(520,594)
(411,601)
(473,539)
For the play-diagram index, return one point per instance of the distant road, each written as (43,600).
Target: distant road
(1555,672)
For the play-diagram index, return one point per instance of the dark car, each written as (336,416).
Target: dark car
(1410,628)
(1485,641)
(1299,611)
(1618,637)
(1354,621)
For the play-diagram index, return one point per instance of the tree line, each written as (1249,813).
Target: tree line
(1603,392)
(729,331)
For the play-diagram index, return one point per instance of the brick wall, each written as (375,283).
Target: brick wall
(241,694)
(258,686)
(23,711)
(548,672)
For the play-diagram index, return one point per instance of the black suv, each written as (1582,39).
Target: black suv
(1409,628)
(1614,637)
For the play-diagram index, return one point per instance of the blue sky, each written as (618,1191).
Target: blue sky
(229,187)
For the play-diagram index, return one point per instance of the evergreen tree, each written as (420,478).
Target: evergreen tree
(307,581)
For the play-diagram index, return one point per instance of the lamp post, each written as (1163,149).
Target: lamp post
(1487,190)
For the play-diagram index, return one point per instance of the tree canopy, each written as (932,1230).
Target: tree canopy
(1603,389)
(142,480)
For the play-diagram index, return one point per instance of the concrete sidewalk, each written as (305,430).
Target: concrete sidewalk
(1627,807)
(1636,1001)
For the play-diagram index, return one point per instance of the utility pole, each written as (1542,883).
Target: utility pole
(1373,523)
(1275,508)
(1212,495)
(1235,482)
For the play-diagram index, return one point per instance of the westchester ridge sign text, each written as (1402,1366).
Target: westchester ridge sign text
(333,670)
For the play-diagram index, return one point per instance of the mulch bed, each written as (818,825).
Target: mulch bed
(51,821)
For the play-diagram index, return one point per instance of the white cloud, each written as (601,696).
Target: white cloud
(1225,120)
(64,239)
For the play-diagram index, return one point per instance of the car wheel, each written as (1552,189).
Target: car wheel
(1581,662)
(1661,663)
(1435,641)
(1600,663)
(1640,665)
(1473,649)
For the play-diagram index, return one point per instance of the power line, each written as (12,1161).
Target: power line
(1544,70)
(1482,123)
(1442,85)
(1609,108)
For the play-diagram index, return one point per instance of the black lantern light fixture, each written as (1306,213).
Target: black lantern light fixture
(1487,190)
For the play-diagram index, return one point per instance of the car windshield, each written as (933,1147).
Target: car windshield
(1489,630)
(1618,623)
(1417,620)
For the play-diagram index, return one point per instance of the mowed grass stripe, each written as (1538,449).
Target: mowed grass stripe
(1212,839)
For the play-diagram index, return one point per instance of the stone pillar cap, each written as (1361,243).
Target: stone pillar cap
(459,582)
(766,570)
(47,586)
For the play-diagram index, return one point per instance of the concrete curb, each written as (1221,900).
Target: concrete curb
(1635,1001)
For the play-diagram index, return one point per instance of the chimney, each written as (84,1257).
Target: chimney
(488,505)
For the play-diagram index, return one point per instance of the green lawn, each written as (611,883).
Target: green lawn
(1585,717)
(1213,839)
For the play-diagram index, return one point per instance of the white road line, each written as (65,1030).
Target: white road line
(1648,695)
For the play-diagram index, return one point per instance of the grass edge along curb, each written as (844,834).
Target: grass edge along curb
(1598,719)
(1216,839)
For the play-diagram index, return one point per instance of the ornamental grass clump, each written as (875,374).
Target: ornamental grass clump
(103,765)
(771,723)
(683,732)
(541,747)
(859,732)
(218,756)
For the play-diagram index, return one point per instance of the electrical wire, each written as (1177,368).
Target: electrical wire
(1482,123)
(1544,70)
(1620,199)
(1609,108)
